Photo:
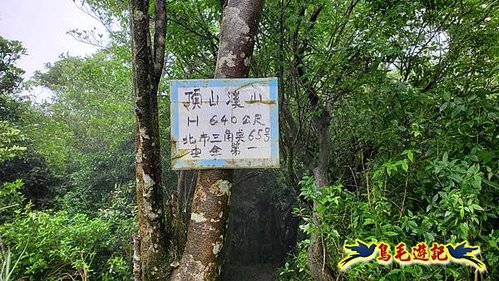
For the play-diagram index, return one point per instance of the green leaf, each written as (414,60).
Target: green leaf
(410,155)
(477,207)
(391,233)
(368,221)
(405,166)
(445,157)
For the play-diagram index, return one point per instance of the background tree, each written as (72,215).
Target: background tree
(99,98)
(10,77)
(147,66)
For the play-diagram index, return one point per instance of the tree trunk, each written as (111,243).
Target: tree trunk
(318,259)
(147,66)
(202,256)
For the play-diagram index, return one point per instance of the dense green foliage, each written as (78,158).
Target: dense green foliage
(412,89)
(56,244)
(58,217)
(414,136)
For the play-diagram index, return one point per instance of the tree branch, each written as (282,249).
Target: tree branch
(159,39)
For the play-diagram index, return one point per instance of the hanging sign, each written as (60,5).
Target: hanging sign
(224,123)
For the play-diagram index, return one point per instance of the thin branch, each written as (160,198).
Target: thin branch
(299,56)
(159,39)
(93,14)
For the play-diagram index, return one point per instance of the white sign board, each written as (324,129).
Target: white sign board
(224,123)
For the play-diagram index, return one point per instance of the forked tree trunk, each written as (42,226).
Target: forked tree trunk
(147,66)
(202,257)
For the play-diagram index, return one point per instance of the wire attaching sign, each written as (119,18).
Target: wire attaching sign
(224,123)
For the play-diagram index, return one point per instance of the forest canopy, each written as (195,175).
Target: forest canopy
(389,114)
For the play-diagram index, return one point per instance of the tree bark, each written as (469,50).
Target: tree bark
(202,258)
(137,274)
(147,66)
(317,258)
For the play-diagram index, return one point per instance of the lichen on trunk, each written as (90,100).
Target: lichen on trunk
(202,257)
(202,254)
(147,62)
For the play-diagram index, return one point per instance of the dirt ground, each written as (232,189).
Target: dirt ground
(256,272)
